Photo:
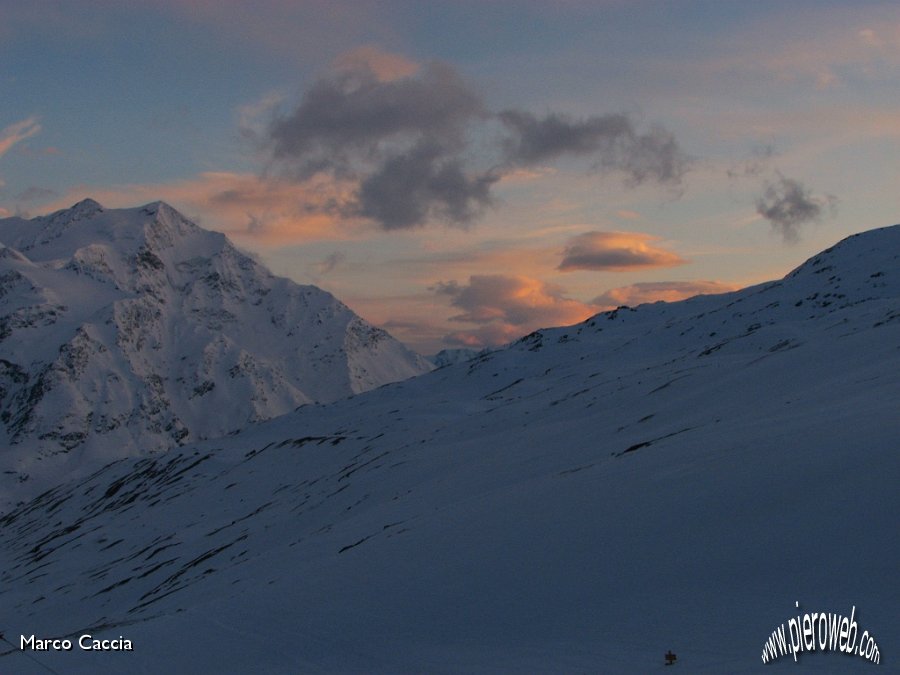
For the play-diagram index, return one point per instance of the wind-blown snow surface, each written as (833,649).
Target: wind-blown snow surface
(127,331)
(671,477)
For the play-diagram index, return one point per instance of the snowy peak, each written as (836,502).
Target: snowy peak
(864,264)
(167,228)
(85,206)
(153,227)
(83,210)
(127,331)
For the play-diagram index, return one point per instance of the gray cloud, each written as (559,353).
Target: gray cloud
(33,193)
(352,118)
(400,137)
(423,184)
(788,204)
(755,165)
(610,140)
(403,140)
(330,261)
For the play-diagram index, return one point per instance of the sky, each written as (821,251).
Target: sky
(463,173)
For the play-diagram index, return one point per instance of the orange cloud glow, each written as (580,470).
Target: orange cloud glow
(667,291)
(526,175)
(484,336)
(384,66)
(262,211)
(828,52)
(17,132)
(508,306)
(615,251)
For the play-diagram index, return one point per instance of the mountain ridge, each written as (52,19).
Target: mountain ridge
(135,329)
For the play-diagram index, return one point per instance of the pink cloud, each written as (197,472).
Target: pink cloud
(260,211)
(667,291)
(426,337)
(383,65)
(508,306)
(827,49)
(308,31)
(15,133)
(615,251)
(484,336)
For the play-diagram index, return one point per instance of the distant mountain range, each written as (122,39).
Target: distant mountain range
(129,331)
(681,477)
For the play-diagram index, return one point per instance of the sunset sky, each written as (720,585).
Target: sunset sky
(462,173)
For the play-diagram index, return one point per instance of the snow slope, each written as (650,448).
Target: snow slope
(674,476)
(128,331)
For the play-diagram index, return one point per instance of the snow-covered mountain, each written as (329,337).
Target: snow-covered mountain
(447,357)
(128,331)
(670,477)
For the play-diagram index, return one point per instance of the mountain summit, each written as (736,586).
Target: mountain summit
(128,331)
